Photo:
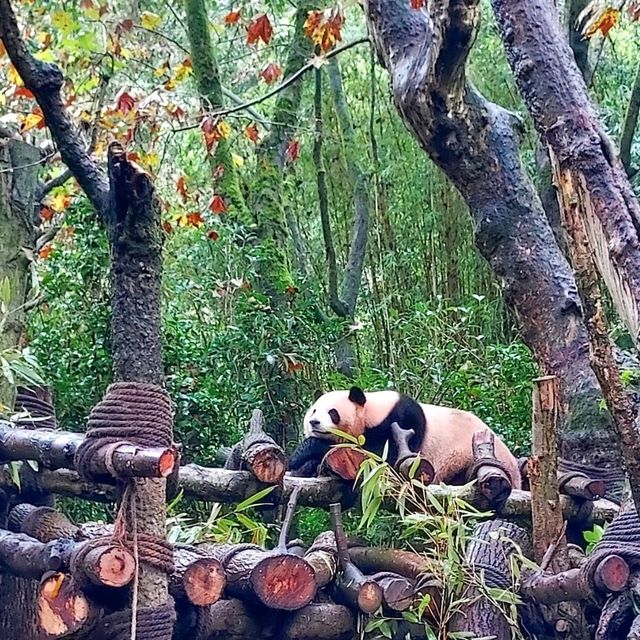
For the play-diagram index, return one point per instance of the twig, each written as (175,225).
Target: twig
(288,519)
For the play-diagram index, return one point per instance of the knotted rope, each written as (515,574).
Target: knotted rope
(140,414)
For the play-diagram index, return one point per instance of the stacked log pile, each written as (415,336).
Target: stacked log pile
(233,591)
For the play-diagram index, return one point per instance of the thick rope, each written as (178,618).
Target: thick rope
(132,412)
(472,470)
(614,478)
(140,414)
(621,537)
(41,414)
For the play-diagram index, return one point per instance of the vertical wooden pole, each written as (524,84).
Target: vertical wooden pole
(549,541)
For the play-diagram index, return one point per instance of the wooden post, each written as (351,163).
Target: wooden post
(549,541)
(548,523)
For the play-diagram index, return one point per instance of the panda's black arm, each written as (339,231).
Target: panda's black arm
(309,454)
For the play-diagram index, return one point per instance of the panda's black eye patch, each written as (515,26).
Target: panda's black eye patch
(335,416)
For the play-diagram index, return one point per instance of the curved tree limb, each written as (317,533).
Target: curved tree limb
(45,81)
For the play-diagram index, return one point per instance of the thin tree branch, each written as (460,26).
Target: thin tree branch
(219,113)
(334,301)
(45,81)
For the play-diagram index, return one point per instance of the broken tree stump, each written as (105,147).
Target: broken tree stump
(351,586)
(493,482)
(410,464)
(259,453)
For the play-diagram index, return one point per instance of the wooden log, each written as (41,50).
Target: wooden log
(322,555)
(62,607)
(42,523)
(610,576)
(221,485)
(351,586)
(575,484)
(410,464)
(343,461)
(491,545)
(259,453)
(325,620)
(398,592)
(493,483)
(230,619)
(56,450)
(104,565)
(199,579)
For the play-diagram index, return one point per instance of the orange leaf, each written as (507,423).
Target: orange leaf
(60,202)
(291,290)
(217,205)
(23,92)
(195,219)
(213,235)
(125,102)
(325,27)
(167,227)
(46,213)
(133,156)
(417,4)
(176,112)
(252,132)
(271,72)
(603,22)
(232,17)
(46,251)
(33,120)
(293,151)
(259,29)
(181,186)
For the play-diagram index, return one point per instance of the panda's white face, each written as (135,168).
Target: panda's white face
(333,410)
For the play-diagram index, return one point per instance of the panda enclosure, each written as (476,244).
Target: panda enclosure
(60,579)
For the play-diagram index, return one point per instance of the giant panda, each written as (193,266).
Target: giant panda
(443,435)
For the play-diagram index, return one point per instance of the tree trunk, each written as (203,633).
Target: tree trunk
(557,98)
(19,165)
(630,124)
(18,181)
(475,143)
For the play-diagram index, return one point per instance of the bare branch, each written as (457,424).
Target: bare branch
(45,81)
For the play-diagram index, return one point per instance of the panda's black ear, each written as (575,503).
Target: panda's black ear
(317,394)
(356,395)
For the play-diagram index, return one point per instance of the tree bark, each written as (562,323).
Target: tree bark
(558,101)
(475,143)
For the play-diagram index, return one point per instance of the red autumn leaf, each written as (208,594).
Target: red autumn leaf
(259,29)
(232,17)
(271,72)
(133,156)
(213,235)
(125,25)
(417,4)
(293,365)
(46,213)
(211,132)
(176,112)
(325,27)
(218,172)
(194,219)
(125,102)
(293,150)
(46,251)
(181,187)
(252,132)
(167,226)
(23,92)
(217,205)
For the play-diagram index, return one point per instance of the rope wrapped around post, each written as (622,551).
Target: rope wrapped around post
(139,414)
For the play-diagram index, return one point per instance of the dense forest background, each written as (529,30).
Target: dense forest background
(239,333)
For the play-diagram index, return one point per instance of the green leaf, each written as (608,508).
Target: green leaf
(252,500)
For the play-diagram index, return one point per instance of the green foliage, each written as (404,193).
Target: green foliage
(593,536)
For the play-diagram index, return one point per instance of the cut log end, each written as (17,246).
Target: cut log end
(269,466)
(612,574)
(204,581)
(370,597)
(167,463)
(344,462)
(596,489)
(284,582)
(111,566)
(398,593)
(62,607)
(422,470)
(495,487)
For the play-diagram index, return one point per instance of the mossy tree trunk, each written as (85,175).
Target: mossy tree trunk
(19,164)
